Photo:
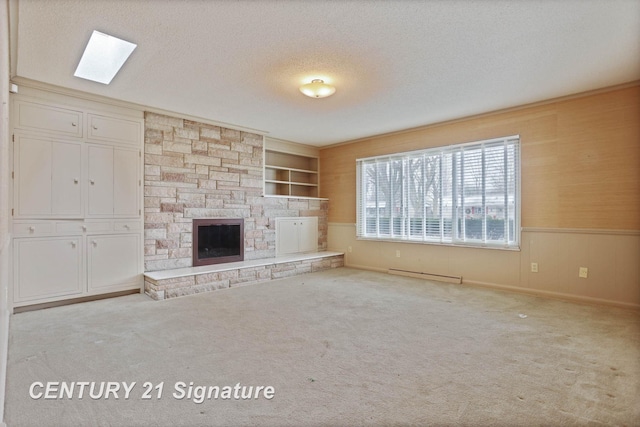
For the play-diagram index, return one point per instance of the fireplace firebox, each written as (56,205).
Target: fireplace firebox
(216,241)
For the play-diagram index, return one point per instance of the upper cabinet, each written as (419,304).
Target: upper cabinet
(75,161)
(291,170)
(115,130)
(63,121)
(52,119)
(47,177)
(114,181)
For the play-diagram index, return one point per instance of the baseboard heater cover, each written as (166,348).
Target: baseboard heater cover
(427,276)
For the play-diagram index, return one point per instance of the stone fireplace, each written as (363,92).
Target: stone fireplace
(216,241)
(196,170)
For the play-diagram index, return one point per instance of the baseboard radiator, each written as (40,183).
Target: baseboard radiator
(426,276)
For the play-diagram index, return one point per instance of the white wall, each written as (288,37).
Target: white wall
(4,198)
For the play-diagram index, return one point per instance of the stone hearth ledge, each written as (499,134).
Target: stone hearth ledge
(165,284)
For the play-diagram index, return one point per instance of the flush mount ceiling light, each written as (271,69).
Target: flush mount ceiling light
(317,89)
(103,57)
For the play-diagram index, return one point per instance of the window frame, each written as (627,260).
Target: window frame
(452,231)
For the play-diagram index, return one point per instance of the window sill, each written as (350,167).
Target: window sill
(457,245)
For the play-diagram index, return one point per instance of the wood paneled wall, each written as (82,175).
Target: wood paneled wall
(580,159)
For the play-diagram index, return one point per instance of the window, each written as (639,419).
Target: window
(466,194)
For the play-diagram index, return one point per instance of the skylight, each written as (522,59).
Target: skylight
(103,57)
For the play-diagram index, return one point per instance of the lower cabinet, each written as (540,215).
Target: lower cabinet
(47,267)
(113,261)
(296,235)
(51,265)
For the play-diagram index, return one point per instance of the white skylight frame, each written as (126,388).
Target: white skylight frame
(103,57)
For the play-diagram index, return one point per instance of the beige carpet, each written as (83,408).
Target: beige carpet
(341,347)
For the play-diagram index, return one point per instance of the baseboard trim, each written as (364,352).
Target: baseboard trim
(40,306)
(533,292)
(554,295)
(426,276)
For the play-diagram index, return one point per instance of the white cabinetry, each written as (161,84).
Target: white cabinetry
(296,235)
(47,267)
(45,117)
(112,129)
(113,261)
(47,177)
(77,175)
(114,180)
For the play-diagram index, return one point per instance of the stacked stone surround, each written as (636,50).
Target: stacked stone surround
(160,289)
(197,170)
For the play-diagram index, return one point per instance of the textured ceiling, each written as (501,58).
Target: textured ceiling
(396,64)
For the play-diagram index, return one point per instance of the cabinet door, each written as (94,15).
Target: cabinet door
(66,195)
(33,165)
(307,234)
(100,194)
(126,177)
(47,267)
(48,177)
(47,118)
(287,236)
(113,261)
(111,129)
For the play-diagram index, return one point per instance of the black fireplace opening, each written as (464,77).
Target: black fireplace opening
(217,241)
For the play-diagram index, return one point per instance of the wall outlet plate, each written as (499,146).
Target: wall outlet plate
(583,272)
(534,267)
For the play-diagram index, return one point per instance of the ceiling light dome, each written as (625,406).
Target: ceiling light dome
(317,89)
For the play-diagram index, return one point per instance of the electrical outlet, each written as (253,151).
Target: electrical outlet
(350,249)
(534,267)
(397,254)
(584,272)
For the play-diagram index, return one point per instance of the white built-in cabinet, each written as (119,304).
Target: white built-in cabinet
(47,176)
(296,235)
(47,267)
(77,190)
(113,181)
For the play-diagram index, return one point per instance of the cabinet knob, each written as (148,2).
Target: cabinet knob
(32,229)
(95,127)
(92,182)
(73,244)
(74,124)
(126,226)
(75,180)
(94,242)
(84,228)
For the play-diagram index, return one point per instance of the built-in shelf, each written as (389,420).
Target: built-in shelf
(292,175)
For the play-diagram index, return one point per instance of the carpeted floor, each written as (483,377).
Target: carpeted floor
(341,347)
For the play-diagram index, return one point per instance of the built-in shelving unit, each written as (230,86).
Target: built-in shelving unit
(290,174)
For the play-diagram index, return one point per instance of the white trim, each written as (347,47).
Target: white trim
(5,184)
(437,243)
(294,197)
(440,147)
(33,84)
(552,295)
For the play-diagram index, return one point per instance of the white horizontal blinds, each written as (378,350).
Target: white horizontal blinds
(447,205)
(415,197)
(512,193)
(466,193)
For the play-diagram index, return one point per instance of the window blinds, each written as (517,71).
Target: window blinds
(460,194)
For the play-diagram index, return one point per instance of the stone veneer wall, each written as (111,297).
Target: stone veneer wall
(207,282)
(196,170)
